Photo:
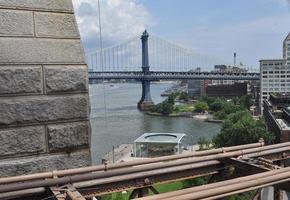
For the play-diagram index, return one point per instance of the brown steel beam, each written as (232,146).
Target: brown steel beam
(57,193)
(73,194)
(69,172)
(143,182)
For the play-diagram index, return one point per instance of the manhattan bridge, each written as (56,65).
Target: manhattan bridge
(168,61)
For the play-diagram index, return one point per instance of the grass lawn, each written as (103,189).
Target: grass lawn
(184,108)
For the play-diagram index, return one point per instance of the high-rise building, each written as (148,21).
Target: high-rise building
(286,49)
(275,74)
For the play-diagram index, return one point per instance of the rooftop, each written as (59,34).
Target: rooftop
(160,138)
(283,124)
(279,59)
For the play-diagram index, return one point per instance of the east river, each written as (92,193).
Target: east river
(121,122)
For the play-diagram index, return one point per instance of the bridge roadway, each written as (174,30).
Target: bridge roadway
(163,75)
(238,169)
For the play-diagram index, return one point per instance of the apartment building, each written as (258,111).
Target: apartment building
(275,74)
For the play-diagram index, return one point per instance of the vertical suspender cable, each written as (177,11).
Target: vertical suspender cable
(102,66)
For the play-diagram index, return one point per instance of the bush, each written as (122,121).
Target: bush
(203,143)
(221,115)
(217,105)
(200,107)
(165,108)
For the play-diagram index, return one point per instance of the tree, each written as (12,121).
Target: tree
(183,96)
(166,108)
(217,105)
(240,128)
(171,99)
(245,101)
(200,107)
(220,115)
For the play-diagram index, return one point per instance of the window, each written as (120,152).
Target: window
(271,72)
(265,72)
(265,76)
(277,72)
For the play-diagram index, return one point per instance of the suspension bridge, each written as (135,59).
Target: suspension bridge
(168,61)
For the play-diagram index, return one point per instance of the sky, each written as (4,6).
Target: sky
(254,29)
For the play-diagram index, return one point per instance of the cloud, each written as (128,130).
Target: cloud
(253,40)
(121,20)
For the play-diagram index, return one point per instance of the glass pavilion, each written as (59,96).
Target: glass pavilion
(151,145)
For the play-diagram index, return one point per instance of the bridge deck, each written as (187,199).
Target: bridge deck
(158,75)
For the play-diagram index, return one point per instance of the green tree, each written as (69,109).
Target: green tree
(171,99)
(183,96)
(245,101)
(240,128)
(200,107)
(166,108)
(217,105)
(220,115)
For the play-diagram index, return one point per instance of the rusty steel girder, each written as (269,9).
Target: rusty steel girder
(142,182)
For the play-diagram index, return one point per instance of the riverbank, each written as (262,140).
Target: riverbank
(198,117)
(181,114)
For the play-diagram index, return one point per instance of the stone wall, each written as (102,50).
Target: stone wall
(44,103)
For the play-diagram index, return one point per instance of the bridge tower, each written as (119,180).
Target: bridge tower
(146,102)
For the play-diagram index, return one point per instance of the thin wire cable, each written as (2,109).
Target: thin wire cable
(102,67)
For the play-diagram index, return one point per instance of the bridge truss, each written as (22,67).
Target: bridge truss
(239,169)
(163,75)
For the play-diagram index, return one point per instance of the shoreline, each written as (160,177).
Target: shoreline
(198,117)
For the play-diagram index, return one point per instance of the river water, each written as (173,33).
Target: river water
(121,122)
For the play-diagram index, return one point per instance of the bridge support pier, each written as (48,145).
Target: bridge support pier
(146,102)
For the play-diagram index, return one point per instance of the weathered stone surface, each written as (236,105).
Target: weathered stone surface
(21,110)
(20,79)
(55,25)
(22,140)
(68,136)
(48,5)
(36,50)
(65,78)
(44,163)
(16,22)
